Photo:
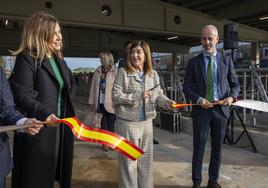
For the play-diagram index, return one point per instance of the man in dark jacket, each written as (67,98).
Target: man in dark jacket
(210,81)
(10,116)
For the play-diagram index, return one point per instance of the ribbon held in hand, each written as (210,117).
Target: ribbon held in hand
(89,134)
(110,139)
(177,105)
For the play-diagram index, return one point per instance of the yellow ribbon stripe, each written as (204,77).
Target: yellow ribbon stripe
(180,105)
(110,139)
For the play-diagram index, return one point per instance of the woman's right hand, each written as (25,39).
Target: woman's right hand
(147,94)
(50,119)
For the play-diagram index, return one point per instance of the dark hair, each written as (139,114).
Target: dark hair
(148,66)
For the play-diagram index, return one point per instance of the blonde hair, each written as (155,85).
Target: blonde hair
(37,36)
(148,65)
(109,56)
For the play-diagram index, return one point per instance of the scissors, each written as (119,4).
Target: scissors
(151,89)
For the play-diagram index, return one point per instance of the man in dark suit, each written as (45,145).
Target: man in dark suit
(8,115)
(210,81)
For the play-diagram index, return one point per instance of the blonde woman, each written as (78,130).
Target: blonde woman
(41,84)
(100,98)
(135,93)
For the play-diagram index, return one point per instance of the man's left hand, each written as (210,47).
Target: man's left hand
(35,128)
(227,101)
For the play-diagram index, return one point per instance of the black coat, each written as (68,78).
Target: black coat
(47,156)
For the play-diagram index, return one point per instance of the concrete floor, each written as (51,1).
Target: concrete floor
(241,168)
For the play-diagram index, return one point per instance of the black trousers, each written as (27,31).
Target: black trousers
(214,120)
(107,121)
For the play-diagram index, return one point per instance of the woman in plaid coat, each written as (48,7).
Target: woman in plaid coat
(135,94)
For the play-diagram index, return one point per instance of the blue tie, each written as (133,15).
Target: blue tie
(210,80)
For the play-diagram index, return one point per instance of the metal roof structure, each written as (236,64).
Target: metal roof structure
(247,12)
(168,25)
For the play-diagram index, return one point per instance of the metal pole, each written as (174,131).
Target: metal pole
(244,94)
(171,86)
(253,123)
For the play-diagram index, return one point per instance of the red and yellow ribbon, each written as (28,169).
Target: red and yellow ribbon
(181,105)
(110,139)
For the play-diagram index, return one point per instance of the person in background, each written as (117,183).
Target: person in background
(123,61)
(10,116)
(210,81)
(100,99)
(42,83)
(135,93)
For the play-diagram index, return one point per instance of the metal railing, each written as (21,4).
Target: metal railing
(171,82)
(247,80)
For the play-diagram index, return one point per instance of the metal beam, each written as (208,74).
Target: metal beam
(84,42)
(194,3)
(244,9)
(212,7)
(134,16)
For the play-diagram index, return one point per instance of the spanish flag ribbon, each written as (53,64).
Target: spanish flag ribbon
(177,105)
(110,139)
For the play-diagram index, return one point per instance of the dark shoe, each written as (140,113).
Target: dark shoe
(213,185)
(196,185)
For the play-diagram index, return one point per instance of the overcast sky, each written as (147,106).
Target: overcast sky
(74,62)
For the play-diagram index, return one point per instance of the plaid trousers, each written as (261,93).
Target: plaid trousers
(139,173)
